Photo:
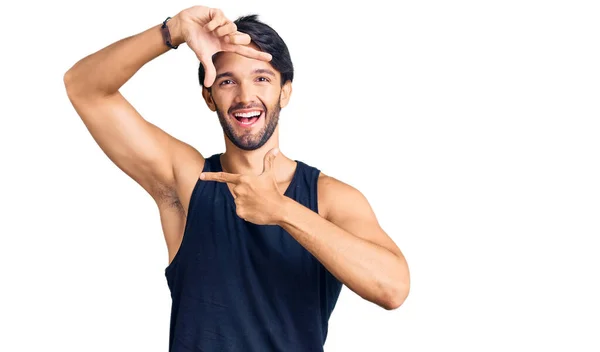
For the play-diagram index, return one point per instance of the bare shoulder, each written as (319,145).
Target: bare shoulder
(336,195)
(347,207)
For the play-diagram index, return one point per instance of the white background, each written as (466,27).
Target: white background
(471,126)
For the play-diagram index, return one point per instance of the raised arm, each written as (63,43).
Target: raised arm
(142,150)
(139,148)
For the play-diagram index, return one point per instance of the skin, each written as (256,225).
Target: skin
(345,235)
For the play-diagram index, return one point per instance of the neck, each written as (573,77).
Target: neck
(238,161)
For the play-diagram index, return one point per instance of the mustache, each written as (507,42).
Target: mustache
(251,106)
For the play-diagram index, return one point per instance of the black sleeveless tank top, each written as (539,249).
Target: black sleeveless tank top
(238,286)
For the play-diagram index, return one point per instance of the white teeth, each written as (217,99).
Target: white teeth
(247,114)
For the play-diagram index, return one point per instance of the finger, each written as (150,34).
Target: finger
(227,28)
(251,52)
(220,177)
(210,71)
(238,38)
(217,20)
(270,159)
(197,49)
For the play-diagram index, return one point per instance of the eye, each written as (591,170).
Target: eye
(227,81)
(263,79)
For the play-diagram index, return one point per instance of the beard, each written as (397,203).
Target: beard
(248,140)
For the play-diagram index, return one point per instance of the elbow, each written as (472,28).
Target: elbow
(395,301)
(66,79)
(396,296)
(398,289)
(72,83)
(68,83)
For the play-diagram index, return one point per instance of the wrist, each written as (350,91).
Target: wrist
(174,25)
(285,210)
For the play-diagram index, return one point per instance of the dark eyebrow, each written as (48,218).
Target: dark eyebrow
(224,74)
(264,71)
(257,71)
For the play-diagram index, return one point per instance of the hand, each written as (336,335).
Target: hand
(207,31)
(257,198)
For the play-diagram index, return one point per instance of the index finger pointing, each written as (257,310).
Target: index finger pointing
(220,177)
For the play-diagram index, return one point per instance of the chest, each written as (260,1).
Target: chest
(234,247)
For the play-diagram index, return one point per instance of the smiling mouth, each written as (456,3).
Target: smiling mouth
(248,119)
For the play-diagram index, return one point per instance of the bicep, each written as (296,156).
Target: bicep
(140,149)
(350,210)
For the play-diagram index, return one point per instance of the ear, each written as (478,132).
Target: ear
(286,92)
(206,94)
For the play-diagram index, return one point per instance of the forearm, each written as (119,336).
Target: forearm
(107,70)
(373,272)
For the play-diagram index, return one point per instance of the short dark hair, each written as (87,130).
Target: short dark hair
(267,40)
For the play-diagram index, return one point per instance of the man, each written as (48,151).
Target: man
(259,244)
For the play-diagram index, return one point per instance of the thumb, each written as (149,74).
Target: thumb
(209,71)
(270,159)
(206,60)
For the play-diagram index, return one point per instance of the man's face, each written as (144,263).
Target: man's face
(246,96)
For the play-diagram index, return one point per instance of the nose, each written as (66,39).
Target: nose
(245,94)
